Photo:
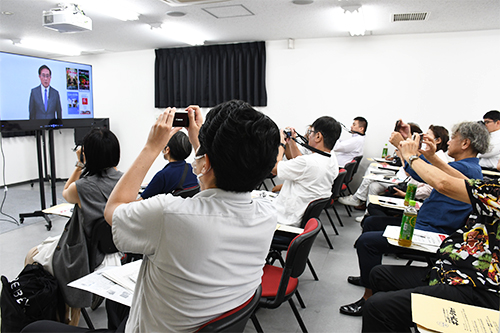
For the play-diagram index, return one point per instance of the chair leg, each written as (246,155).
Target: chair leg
(297,315)
(331,222)
(265,186)
(256,323)
(313,272)
(338,217)
(347,210)
(327,238)
(299,298)
(87,318)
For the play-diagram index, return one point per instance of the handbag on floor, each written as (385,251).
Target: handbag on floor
(32,296)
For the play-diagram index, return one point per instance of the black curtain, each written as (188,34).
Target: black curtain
(209,75)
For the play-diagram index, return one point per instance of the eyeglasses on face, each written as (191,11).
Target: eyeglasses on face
(45,76)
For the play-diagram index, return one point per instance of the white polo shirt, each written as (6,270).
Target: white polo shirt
(306,178)
(203,255)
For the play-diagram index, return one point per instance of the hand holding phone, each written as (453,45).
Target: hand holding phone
(181,119)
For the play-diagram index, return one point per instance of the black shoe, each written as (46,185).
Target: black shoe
(355,280)
(354,309)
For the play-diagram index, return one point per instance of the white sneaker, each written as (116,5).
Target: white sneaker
(359,218)
(350,201)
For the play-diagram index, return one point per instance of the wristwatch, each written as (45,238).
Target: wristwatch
(412,158)
(283,145)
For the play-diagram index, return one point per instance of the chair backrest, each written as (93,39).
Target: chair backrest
(236,319)
(349,167)
(314,210)
(299,248)
(358,160)
(187,192)
(337,184)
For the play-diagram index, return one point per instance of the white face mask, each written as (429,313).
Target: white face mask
(201,174)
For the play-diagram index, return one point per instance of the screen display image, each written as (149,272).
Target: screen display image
(38,93)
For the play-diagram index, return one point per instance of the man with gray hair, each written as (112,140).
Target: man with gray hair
(439,213)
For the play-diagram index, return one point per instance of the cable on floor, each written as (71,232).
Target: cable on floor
(11,218)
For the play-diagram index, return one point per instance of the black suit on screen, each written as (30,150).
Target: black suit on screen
(37,108)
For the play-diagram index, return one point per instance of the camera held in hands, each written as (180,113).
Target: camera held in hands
(287,132)
(397,127)
(181,119)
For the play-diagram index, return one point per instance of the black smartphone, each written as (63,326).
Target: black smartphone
(421,139)
(181,119)
(398,126)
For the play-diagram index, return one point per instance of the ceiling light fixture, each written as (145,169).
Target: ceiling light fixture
(112,8)
(354,20)
(302,2)
(182,32)
(48,47)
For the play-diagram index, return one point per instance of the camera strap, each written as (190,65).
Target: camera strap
(303,144)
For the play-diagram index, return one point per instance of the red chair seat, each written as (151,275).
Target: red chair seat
(271,280)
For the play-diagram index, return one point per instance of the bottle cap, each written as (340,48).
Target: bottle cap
(412,203)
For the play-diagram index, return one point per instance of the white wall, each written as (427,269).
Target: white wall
(428,78)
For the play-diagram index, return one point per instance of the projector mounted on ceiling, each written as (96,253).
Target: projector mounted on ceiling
(66,18)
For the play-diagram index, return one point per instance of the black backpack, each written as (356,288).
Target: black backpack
(32,296)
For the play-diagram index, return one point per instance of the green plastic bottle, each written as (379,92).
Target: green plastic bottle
(408,225)
(384,151)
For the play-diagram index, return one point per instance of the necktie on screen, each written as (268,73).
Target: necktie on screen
(45,100)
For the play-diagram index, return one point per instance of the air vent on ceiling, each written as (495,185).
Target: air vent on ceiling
(190,2)
(409,17)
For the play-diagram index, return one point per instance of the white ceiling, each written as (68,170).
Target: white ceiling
(268,20)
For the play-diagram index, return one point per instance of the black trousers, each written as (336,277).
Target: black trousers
(117,318)
(389,309)
(371,245)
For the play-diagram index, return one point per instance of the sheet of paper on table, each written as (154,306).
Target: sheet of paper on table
(264,194)
(288,228)
(64,209)
(391,202)
(384,178)
(439,315)
(100,284)
(422,240)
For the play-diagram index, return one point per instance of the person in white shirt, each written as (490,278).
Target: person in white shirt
(489,160)
(203,255)
(307,177)
(347,149)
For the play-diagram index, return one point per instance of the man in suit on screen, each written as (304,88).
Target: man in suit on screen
(44,100)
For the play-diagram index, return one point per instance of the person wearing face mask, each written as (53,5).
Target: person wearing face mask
(177,174)
(203,255)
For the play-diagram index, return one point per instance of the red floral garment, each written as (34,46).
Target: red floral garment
(470,256)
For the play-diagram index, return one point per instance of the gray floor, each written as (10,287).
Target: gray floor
(323,298)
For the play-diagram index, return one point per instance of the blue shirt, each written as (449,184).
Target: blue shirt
(167,179)
(440,213)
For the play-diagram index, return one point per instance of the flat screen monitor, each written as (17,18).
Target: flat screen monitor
(39,93)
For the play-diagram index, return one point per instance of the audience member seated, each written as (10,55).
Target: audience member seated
(202,255)
(439,213)
(347,149)
(372,187)
(489,160)
(456,276)
(88,187)
(306,177)
(168,179)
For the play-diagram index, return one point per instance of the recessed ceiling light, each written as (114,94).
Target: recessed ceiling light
(176,14)
(7,13)
(303,2)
